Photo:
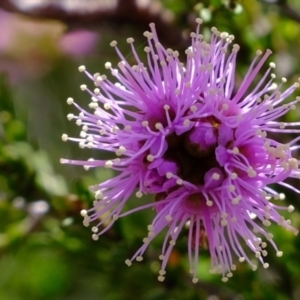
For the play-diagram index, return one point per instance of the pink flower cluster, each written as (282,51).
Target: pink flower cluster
(185,134)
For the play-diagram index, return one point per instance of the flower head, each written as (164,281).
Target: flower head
(183,133)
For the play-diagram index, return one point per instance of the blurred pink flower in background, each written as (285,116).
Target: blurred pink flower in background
(78,43)
(29,48)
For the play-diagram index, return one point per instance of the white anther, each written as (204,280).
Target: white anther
(120,151)
(209,203)
(172,243)
(195,280)
(93,105)
(108,164)
(224,223)
(83,212)
(81,68)
(107,65)
(70,101)
(86,221)
(83,87)
(235,150)
(231,188)
(107,106)
(70,117)
(293,163)
(169,175)
(64,137)
(158,126)
(83,135)
(225,106)
(114,129)
(251,172)
(102,131)
(87,167)
(216,176)
(242,259)
(177,91)
(95,229)
(115,72)
(148,34)
(175,54)
(179,181)
(162,272)
(151,234)
(89,138)
(193,108)
(224,215)
(235,201)
(224,279)
(235,48)
(233,176)
(150,157)
(168,218)
(113,43)
(199,21)
(224,35)
(150,227)
(138,194)
(128,262)
(186,122)
(263,244)
(130,40)
(281,196)
(95,237)
(98,195)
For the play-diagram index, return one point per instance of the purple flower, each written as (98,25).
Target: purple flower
(181,132)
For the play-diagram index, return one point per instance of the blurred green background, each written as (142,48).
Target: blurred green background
(45,251)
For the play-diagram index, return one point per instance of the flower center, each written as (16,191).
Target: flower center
(194,151)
